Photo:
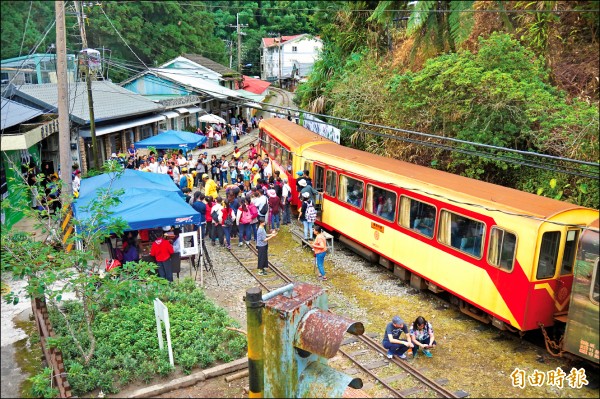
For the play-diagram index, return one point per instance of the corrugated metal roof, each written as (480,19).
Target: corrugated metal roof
(14,113)
(212,65)
(198,83)
(110,101)
(254,85)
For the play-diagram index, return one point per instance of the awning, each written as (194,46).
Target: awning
(182,110)
(193,110)
(253,105)
(170,114)
(102,130)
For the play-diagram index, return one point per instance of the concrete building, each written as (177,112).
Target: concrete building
(288,59)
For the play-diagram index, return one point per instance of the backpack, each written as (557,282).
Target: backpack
(229,219)
(265,208)
(311,212)
(215,216)
(253,211)
(246,217)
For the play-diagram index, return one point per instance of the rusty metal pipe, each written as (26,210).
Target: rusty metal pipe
(254,308)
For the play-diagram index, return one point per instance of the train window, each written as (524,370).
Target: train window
(381,202)
(330,183)
(417,216)
(595,288)
(319,178)
(548,255)
(462,233)
(502,249)
(278,153)
(569,253)
(351,191)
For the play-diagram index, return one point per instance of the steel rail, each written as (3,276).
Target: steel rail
(369,342)
(439,389)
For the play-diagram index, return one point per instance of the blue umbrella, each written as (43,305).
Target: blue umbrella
(172,139)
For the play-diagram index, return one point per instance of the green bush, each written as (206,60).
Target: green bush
(127,344)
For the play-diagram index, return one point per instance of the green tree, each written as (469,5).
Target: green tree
(52,272)
(17,29)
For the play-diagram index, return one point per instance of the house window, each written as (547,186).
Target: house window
(146,132)
(417,216)
(294,49)
(381,202)
(162,126)
(351,191)
(501,252)
(460,232)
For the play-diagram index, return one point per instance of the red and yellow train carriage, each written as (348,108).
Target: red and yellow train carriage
(507,255)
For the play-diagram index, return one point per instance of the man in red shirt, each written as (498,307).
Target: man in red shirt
(162,251)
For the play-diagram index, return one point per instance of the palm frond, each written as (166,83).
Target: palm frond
(381,15)
(461,23)
(420,14)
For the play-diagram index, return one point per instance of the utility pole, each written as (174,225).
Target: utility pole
(280,61)
(88,79)
(239,40)
(64,131)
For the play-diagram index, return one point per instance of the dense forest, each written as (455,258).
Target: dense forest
(521,75)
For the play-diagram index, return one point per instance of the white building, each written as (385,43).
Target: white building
(288,59)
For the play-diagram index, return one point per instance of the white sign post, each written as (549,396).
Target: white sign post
(162,313)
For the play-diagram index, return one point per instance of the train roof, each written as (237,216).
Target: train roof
(496,195)
(291,134)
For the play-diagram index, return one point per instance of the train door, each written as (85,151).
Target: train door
(556,258)
(319,184)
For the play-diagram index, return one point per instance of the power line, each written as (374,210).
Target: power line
(25,29)
(532,163)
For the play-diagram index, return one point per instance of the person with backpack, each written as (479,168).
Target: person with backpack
(244,219)
(209,225)
(254,212)
(217,220)
(261,203)
(308,215)
(228,218)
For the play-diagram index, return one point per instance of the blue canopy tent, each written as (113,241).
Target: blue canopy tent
(144,209)
(150,200)
(128,179)
(172,139)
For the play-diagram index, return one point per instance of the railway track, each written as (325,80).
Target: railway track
(365,354)
(283,100)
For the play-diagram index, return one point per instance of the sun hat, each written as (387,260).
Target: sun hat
(302,182)
(305,195)
(184,169)
(271,193)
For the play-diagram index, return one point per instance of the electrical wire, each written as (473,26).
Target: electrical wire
(25,29)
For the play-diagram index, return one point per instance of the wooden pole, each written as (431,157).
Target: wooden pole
(64,130)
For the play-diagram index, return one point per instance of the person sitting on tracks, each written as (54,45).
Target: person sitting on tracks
(392,341)
(421,334)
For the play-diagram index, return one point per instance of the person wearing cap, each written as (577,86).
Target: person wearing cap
(255,176)
(306,189)
(183,180)
(262,246)
(210,187)
(391,338)
(274,208)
